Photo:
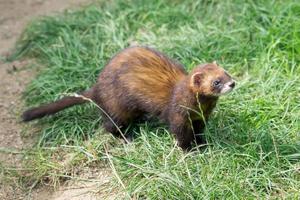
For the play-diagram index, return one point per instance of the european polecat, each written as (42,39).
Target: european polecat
(141,80)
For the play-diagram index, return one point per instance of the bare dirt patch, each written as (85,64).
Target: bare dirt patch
(15,15)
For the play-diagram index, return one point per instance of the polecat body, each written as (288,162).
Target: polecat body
(141,80)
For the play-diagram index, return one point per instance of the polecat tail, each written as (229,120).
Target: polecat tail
(54,107)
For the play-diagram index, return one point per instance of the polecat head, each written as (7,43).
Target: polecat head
(211,80)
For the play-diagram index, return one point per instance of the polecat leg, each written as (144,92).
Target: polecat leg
(114,125)
(198,127)
(182,130)
(118,125)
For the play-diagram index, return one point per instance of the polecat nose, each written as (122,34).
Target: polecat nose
(232,84)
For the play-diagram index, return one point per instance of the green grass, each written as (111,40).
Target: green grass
(254,133)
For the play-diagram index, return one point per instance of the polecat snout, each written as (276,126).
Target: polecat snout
(141,80)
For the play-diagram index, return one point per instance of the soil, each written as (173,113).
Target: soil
(15,15)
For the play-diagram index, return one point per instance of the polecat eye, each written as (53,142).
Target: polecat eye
(216,83)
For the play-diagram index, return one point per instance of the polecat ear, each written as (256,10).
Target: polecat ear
(215,62)
(196,79)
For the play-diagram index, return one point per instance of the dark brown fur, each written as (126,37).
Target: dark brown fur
(139,81)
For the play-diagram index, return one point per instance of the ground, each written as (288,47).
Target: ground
(13,79)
